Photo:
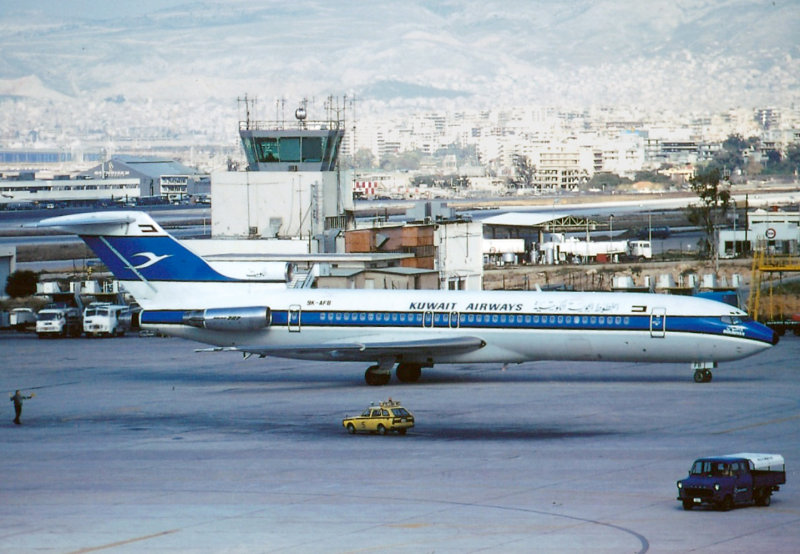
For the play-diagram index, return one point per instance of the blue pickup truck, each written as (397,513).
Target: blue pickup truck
(727,481)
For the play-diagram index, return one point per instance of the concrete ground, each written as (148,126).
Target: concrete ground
(140,444)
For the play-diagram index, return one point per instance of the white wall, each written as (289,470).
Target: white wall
(460,254)
(283,204)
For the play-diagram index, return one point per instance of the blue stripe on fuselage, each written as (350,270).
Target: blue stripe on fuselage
(712,325)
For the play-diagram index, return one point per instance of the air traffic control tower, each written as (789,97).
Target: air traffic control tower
(306,146)
(292,187)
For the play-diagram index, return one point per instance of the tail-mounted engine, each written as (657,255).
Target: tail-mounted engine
(250,318)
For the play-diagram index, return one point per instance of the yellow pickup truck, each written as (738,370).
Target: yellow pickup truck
(381,418)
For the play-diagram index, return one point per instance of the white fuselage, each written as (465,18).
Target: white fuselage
(516,326)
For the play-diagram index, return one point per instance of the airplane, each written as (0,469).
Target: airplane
(184,295)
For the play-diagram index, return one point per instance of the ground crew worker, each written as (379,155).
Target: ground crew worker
(17,399)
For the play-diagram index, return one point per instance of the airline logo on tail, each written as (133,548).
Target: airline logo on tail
(151,259)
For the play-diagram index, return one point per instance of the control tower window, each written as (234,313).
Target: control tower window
(290,149)
(267,150)
(312,149)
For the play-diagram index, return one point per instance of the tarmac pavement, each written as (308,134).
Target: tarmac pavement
(140,444)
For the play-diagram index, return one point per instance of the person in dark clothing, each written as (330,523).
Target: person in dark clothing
(17,400)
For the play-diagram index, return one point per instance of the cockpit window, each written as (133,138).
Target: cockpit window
(731,319)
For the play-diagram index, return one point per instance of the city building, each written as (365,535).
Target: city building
(436,240)
(777,231)
(27,190)
(157,177)
(8,264)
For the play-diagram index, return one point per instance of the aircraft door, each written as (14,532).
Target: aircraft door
(293,321)
(454,320)
(658,323)
(427,319)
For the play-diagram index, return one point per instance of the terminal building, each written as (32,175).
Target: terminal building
(156,177)
(122,179)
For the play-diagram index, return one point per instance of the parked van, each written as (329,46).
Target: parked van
(59,322)
(104,320)
(22,319)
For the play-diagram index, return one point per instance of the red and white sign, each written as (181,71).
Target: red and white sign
(770,233)
(367,188)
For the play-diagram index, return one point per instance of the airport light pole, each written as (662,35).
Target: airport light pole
(734,226)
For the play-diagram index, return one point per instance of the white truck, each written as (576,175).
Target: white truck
(22,319)
(568,249)
(59,322)
(640,250)
(104,320)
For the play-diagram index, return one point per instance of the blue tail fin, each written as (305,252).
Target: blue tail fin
(135,248)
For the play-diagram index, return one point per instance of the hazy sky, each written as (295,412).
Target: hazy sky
(87,9)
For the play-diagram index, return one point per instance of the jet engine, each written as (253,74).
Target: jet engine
(250,318)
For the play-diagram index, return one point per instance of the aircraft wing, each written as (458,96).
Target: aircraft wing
(365,350)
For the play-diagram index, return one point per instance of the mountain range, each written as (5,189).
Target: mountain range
(415,54)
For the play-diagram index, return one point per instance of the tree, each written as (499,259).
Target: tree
(731,155)
(364,159)
(606,180)
(406,160)
(524,173)
(21,283)
(652,176)
(713,205)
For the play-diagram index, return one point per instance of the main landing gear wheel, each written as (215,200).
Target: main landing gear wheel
(409,373)
(375,377)
(702,376)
